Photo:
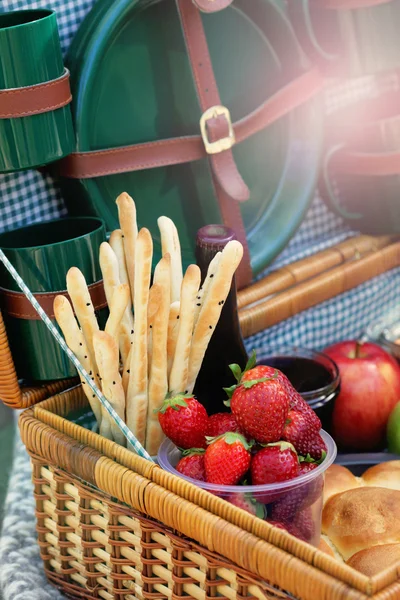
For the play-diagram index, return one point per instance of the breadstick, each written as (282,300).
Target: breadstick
(116,242)
(211,309)
(170,245)
(173,328)
(180,365)
(107,356)
(126,373)
(83,307)
(110,270)
(119,302)
(127,220)
(154,303)
(76,342)
(136,413)
(203,291)
(158,382)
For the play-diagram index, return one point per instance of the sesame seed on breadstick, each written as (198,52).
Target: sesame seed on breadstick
(203,291)
(83,307)
(212,307)
(180,366)
(107,356)
(152,308)
(119,302)
(76,342)
(137,398)
(173,328)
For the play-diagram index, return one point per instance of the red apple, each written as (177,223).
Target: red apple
(370,388)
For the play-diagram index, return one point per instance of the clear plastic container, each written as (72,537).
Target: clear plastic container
(296,504)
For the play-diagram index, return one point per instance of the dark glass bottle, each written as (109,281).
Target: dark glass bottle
(226,344)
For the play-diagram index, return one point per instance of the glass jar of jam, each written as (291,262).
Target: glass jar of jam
(313,374)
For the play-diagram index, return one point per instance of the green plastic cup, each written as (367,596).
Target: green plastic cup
(42,255)
(30,53)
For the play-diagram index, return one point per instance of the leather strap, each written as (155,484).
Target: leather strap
(16,304)
(222,163)
(35,99)
(371,164)
(346,4)
(209,6)
(172,151)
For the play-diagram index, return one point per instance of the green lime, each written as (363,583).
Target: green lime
(393,430)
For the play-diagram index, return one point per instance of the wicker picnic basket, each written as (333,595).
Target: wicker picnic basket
(112,525)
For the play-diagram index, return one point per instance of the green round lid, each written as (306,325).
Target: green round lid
(132,83)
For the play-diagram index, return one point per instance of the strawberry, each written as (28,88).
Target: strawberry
(315,448)
(221,423)
(259,403)
(184,420)
(298,404)
(247,502)
(304,523)
(277,462)
(296,401)
(227,459)
(192,464)
(306,467)
(299,430)
(293,501)
(289,527)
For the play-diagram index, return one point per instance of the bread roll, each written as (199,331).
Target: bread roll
(386,474)
(338,479)
(326,546)
(373,560)
(359,518)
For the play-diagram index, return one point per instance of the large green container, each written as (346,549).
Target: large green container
(42,255)
(30,54)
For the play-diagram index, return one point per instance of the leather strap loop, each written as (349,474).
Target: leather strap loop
(16,304)
(346,4)
(173,151)
(210,6)
(35,99)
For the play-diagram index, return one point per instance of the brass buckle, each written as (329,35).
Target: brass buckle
(224,143)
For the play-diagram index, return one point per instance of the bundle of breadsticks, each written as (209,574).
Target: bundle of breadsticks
(158,327)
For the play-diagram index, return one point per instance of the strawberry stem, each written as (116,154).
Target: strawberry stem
(176,402)
(230,437)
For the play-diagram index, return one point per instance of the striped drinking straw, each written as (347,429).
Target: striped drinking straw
(137,446)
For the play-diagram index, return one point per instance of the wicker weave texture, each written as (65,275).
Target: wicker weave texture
(99,549)
(112,525)
(11,393)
